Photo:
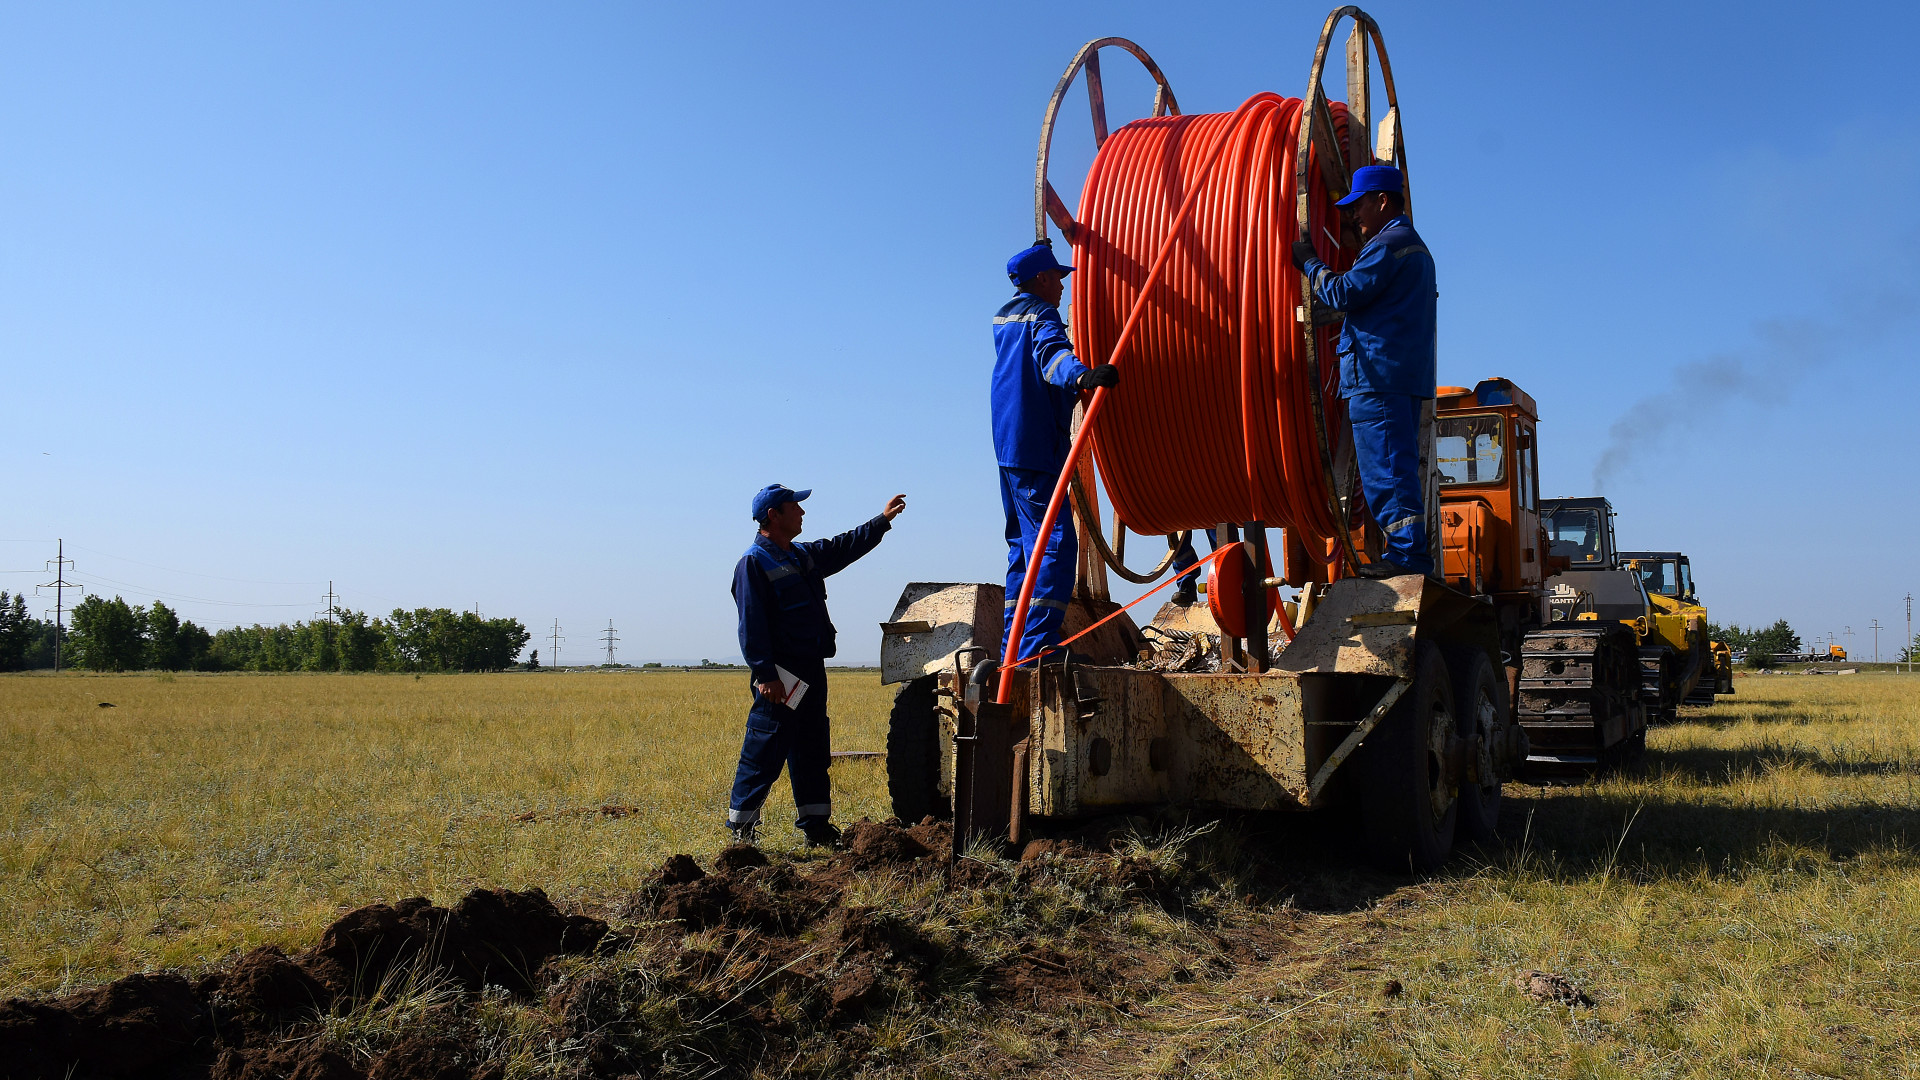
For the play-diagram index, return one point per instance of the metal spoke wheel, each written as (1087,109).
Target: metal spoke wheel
(1407,808)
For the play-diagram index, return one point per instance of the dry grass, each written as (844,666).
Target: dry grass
(1747,903)
(206,814)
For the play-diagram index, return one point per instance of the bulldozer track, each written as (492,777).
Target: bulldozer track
(1580,695)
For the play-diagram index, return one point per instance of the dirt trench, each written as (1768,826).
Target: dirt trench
(735,965)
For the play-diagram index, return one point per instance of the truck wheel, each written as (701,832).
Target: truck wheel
(913,753)
(1405,808)
(1481,698)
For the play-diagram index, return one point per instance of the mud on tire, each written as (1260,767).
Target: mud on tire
(1401,774)
(1481,705)
(913,753)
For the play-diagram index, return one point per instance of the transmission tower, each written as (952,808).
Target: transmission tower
(554,653)
(332,600)
(58,566)
(609,639)
(1875,627)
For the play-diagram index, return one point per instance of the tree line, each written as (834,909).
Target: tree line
(113,635)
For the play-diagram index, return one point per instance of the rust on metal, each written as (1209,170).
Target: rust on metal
(1045,199)
(953,617)
(1343,636)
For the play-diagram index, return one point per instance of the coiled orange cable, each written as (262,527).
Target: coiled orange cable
(1184,278)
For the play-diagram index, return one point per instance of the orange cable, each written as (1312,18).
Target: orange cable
(1184,272)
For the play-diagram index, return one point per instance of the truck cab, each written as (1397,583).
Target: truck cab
(1488,469)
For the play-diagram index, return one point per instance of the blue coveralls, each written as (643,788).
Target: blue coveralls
(1032,417)
(782,598)
(1388,360)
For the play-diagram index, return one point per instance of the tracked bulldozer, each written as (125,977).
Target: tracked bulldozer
(1667,577)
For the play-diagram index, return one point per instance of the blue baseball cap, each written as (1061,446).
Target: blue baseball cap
(1368,179)
(1034,260)
(774,496)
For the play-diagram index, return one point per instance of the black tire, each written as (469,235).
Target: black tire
(1402,774)
(913,753)
(1480,700)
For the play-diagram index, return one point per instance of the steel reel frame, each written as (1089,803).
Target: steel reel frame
(1047,205)
(1337,165)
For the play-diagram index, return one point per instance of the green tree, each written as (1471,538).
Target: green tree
(17,632)
(362,643)
(1776,640)
(108,635)
(1730,635)
(436,639)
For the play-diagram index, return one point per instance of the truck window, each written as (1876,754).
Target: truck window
(1686,578)
(1656,576)
(1529,471)
(1471,449)
(1574,533)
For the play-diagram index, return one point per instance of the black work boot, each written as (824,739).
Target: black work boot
(1383,569)
(744,832)
(1186,594)
(819,832)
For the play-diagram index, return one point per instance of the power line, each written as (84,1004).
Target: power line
(610,639)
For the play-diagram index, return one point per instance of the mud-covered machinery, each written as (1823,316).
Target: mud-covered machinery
(1667,577)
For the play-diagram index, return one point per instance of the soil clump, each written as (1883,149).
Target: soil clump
(734,964)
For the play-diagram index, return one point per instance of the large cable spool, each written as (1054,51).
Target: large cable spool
(1229,409)
(1228,397)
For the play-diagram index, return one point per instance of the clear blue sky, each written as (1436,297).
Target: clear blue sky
(467,304)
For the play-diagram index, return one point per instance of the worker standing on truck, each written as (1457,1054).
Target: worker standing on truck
(1388,358)
(785,637)
(1036,381)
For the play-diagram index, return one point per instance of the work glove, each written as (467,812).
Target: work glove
(1105,375)
(1302,251)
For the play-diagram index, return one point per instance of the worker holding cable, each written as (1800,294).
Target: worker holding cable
(1387,358)
(786,638)
(1036,381)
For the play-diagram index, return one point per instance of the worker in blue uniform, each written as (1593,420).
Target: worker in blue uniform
(780,589)
(1036,381)
(1387,358)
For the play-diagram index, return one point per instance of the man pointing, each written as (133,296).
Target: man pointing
(786,638)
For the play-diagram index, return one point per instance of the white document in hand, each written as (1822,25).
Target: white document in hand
(792,685)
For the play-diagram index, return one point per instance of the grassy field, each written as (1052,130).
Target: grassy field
(1746,902)
(205,814)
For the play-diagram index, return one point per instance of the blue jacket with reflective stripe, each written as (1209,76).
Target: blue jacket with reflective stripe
(1033,365)
(782,596)
(1389,344)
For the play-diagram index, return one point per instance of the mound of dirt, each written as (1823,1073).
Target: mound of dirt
(122,1029)
(231,1025)
(749,960)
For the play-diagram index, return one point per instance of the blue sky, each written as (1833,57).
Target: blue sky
(515,306)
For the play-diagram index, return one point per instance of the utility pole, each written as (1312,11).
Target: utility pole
(553,654)
(1875,627)
(1849,641)
(610,639)
(332,601)
(1909,633)
(59,565)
